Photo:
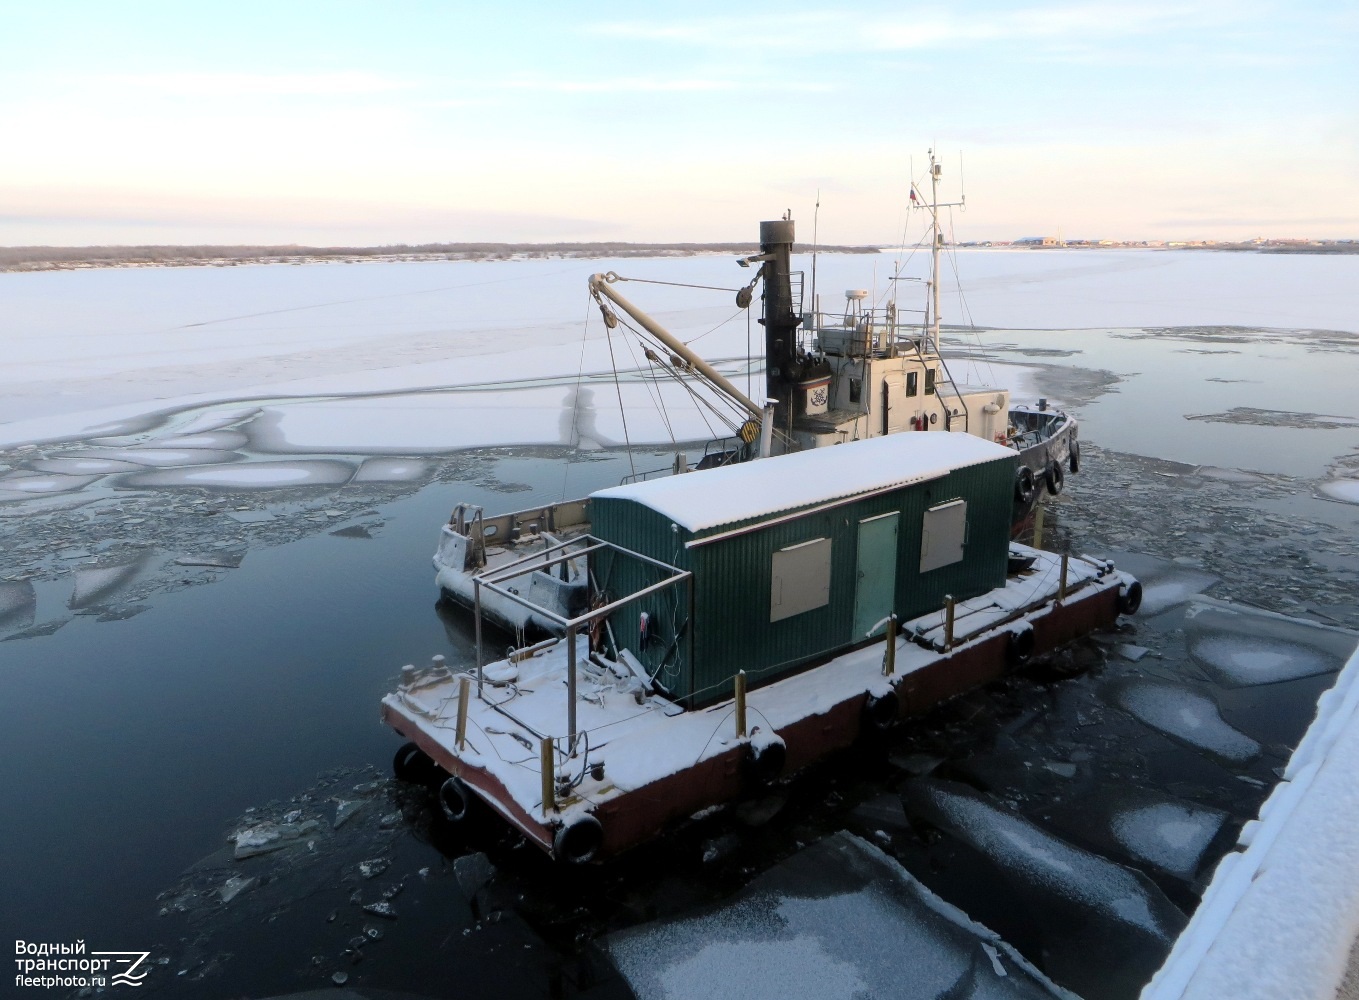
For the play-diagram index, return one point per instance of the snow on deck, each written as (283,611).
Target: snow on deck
(641,739)
(755,489)
(1281,915)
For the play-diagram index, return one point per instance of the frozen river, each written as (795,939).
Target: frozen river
(219,491)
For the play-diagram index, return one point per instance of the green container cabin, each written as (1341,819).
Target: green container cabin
(797,558)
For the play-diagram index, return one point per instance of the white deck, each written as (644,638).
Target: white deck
(640,743)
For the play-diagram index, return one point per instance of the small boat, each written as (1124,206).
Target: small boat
(830,378)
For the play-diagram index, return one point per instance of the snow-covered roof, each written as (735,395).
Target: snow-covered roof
(734,493)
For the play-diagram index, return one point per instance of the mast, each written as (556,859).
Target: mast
(935,240)
(779,322)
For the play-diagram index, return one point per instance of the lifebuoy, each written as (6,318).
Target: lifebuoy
(1130,599)
(1074,459)
(1054,477)
(578,841)
(1024,484)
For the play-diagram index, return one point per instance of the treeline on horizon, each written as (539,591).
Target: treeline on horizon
(37,257)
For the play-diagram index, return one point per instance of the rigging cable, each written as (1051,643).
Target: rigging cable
(627,441)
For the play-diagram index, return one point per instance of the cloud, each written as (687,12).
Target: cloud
(835,31)
(346,84)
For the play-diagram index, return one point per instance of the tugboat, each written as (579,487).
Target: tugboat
(830,379)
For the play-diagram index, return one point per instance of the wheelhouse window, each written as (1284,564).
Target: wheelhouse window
(929,381)
(912,383)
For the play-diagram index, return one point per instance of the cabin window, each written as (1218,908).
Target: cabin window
(912,383)
(800,580)
(856,389)
(944,535)
(929,381)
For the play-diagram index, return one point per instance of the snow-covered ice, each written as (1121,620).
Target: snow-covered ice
(1105,892)
(246,475)
(1246,660)
(1344,490)
(1170,835)
(391,470)
(98,583)
(18,602)
(1186,715)
(37,485)
(158,458)
(839,919)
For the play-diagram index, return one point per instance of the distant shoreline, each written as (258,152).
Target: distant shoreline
(84,258)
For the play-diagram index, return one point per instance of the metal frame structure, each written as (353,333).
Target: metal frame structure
(571,626)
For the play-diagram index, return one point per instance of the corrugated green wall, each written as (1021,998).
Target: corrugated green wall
(732,579)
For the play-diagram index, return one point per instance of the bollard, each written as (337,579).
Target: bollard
(740,704)
(464,695)
(889,655)
(948,622)
(545,760)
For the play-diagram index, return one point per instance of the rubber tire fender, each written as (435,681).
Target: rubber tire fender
(456,800)
(881,711)
(412,765)
(1073,460)
(765,761)
(1020,647)
(1055,477)
(1025,487)
(1130,600)
(577,842)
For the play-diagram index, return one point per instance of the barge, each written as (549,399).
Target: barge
(737,626)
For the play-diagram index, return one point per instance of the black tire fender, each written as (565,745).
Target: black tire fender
(1025,487)
(881,711)
(579,841)
(456,800)
(765,760)
(1130,599)
(1055,478)
(1073,460)
(1020,646)
(412,765)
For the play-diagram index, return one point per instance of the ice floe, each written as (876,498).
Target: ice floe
(18,603)
(1101,889)
(159,458)
(246,475)
(98,583)
(221,440)
(1238,660)
(391,470)
(1186,715)
(26,485)
(1170,835)
(839,919)
(82,466)
(1344,490)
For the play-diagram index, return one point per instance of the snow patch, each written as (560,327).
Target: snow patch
(1248,660)
(1186,715)
(1170,835)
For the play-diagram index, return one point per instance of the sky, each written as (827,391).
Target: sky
(358,123)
